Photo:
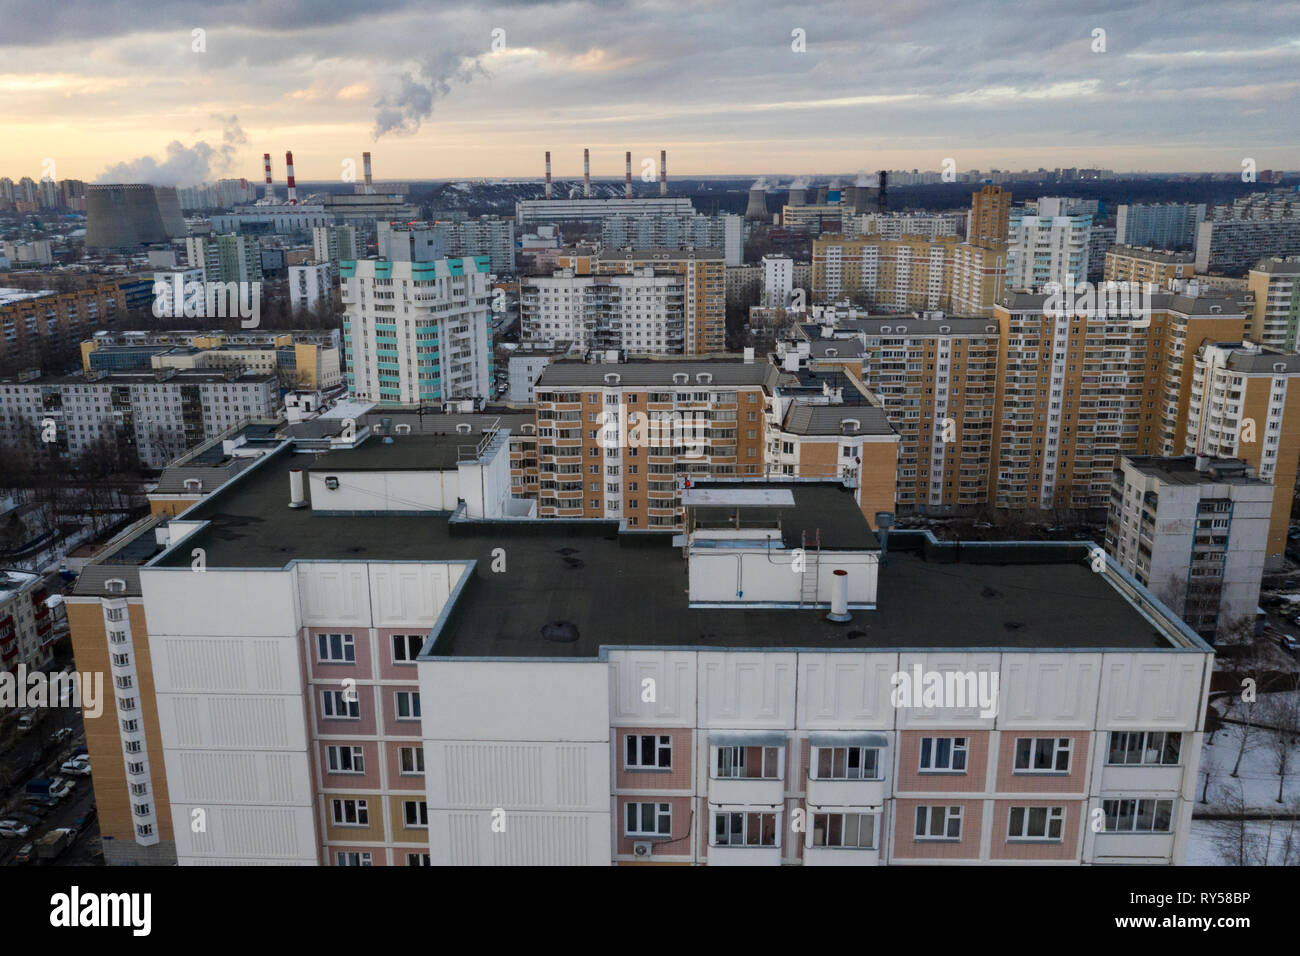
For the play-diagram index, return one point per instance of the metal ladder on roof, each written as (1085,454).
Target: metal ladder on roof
(812,560)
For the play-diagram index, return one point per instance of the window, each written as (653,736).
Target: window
(849,830)
(744,829)
(418,859)
(1043,754)
(336,649)
(1036,823)
(648,819)
(406,647)
(408,705)
(847,763)
(1150,748)
(410,760)
(1138,816)
(351,813)
(416,813)
(345,760)
(339,705)
(938,823)
(757,763)
(943,755)
(352,858)
(648,752)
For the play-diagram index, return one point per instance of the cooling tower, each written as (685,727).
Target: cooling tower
(822,193)
(798,196)
(757,208)
(127,216)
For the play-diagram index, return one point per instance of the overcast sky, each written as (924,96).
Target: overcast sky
(115,90)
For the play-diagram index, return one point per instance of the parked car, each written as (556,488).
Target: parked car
(77,766)
(1296,620)
(26,722)
(85,819)
(12,828)
(1289,644)
(61,735)
(26,853)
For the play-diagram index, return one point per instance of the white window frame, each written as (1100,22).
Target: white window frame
(1060,745)
(956,746)
(346,857)
(634,751)
(1052,815)
(928,813)
(1144,738)
(360,810)
(634,816)
(416,761)
(412,705)
(1136,814)
(863,821)
(421,814)
(846,772)
(747,819)
(355,757)
(406,647)
(347,644)
(331,698)
(734,768)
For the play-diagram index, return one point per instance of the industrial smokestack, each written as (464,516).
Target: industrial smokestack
(663,172)
(291,196)
(627,178)
(586,174)
(883,202)
(548,174)
(270,188)
(365,164)
(757,208)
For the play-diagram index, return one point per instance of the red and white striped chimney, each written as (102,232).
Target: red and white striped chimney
(270,187)
(365,164)
(627,177)
(291,196)
(586,173)
(663,172)
(548,174)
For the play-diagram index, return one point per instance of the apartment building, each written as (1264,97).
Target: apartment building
(725,232)
(1275,320)
(159,414)
(896,225)
(1145,264)
(1232,246)
(531,212)
(898,274)
(935,379)
(310,286)
(488,236)
(778,281)
(1194,531)
(33,321)
(225,258)
(334,244)
(1241,404)
(1075,391)
(26,625)
(703,272)
(594,702)
(1158,225)
(642,312)
(1046,248)
(417,331)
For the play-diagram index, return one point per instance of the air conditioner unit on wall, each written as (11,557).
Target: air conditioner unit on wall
(642,849)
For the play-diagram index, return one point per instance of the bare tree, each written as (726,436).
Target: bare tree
(1281,712)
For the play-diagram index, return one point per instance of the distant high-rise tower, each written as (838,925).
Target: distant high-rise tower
(586,174)
(990,212)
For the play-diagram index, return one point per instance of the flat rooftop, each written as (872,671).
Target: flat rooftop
(584,579)
(1182,470)
(405,453)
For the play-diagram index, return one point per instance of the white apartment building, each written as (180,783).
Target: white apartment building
(1194,530)
(778,281)
(1159,225)
(641,311)
(26,625)
(1043,249)
(898,225)
(1275,321)
(334,243)
(225,258)
(417,332)
(310,286)
(160,413)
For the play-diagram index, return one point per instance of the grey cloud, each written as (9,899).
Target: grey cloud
(412,103)
(183,165)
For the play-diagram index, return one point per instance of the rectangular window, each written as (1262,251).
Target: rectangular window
(345,760)
(744,829)
(943,755)
(1144,748)
(938,823)
(408,705)
(755,763)
(648,819)
(406,647)
(416,813)
(1043,754)
(336,649)
(418,859)
(340,705)
(410,760)
(648,752)
(1138,816)
(351,813)
(847,763)
(347,858)
(1036,823)
(850,830)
